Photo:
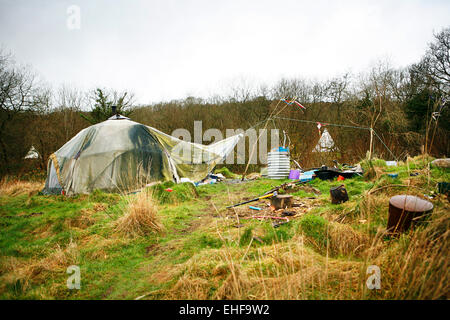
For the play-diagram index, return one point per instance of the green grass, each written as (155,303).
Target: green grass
(314,227)
(196,236)
(246,237)
(180,192)
(226,173)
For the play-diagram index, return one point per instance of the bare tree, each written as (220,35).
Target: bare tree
(70,101)
(43,132)
(241,89)
(292,88)
(373,95)
(434,74)
(17,94)
(318,92)
(435,65)
(336,89)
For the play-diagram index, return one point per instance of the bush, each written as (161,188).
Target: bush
(14,187)
(226,173)
(246,237)
(315,228)
(206,241)
(141,216)
(180,192)
(103,197)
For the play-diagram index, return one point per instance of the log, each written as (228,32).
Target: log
(281,201)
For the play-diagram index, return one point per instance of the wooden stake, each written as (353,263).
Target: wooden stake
(371,144)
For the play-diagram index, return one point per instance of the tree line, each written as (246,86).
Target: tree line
(407,108)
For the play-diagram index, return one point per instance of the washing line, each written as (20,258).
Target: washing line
(344,126)
(324,123)
(376,134)
(271,115)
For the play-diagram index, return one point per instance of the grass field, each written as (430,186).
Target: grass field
(185,245)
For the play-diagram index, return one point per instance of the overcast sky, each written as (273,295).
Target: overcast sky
(163,50)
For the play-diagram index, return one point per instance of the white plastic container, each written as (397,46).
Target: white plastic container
(278,164)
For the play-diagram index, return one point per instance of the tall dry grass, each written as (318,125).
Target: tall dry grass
(414,266)
(15,187)
(346,241)
(24,273)
(141,216)
(417,265)
(285,271)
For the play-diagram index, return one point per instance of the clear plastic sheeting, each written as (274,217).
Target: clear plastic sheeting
(118,117)
(193,160)
(121,155)
(52,185)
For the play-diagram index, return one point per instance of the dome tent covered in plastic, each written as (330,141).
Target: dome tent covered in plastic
(120,155)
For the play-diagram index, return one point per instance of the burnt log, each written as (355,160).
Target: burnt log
(281,201)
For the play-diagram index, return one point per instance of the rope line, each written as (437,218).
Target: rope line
(345,126)
(259,136)
(385,145)
(275,116)
(325,123)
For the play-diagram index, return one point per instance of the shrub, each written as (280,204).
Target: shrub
(206,241)
(315,228)
(180,192)
(246,237)
(226,173)
(103,197)
(141,217)
(14,187)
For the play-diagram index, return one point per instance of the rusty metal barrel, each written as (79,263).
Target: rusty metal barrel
(405,210)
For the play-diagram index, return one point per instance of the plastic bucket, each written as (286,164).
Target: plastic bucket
(278,165)
(294,174)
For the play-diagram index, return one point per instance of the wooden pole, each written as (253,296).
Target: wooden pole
(371,144)
(253,150)
(432,137)
(265,127)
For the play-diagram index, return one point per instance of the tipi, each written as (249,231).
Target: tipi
(326,143)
